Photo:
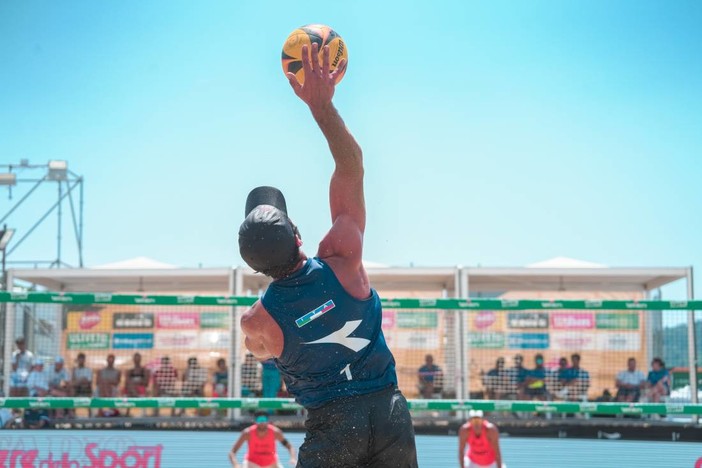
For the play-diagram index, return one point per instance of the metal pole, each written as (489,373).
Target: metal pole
(41,220)
(465,372)
(235,353)
(60,215)
(691,345)
(9,339)
(26,195)
(457,342)
(80,228)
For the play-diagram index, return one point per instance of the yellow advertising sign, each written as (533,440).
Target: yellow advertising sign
(89,321)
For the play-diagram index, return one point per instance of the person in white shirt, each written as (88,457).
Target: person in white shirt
(22,356)
(630,382)
(59,379)
(38,380)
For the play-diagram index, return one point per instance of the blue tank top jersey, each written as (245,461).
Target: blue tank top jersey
(333,343)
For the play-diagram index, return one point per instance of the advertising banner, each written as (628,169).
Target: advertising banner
(528,341)
(133,341)
(617,321)
(89,321)
(178,320)
(186,339)
(215,340)
(122,320)
(417,320)
(485,320)
(527,320)
(415,340)
(572,321)
(214,320)
(88,341)
(569,341)
(623,341)
(486,340)
(388,319)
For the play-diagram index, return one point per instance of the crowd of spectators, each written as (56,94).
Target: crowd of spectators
(572,382)
(32,377)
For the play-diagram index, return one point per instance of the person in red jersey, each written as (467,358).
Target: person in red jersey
(479,443)
(261,439)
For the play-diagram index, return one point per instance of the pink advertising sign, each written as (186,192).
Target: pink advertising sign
(484,319)
(178,320)
(572,321)
(388,319)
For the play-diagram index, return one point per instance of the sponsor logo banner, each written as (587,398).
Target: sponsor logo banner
(486,320)
(132,320)
(215,339)
(528,340)
(625,341)
(88,341)
(388,319)
(186,339)
(527,320)
(618,321)
(133,341)
(417,320)
(178,320)
(569,341)
(214,320)
(89,320)
(416,340)
(572,321)
(486,340)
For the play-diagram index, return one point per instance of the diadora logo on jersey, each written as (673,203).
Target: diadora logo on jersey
(316,313)
(342,337)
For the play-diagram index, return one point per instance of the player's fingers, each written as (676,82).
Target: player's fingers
(296,86)
(325,61)
(315,58)
(306,67)
(339,70)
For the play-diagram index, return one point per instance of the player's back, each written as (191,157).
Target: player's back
(333,343)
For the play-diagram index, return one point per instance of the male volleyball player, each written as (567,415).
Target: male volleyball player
(261,439)
(483,440)
(319,318)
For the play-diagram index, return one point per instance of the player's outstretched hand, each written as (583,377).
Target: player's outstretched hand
(293,462)
(318,89)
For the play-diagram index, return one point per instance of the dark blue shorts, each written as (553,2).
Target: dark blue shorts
(373,430)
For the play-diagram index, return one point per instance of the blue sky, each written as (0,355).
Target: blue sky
(494,133)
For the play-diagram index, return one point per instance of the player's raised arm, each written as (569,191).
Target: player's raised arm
(346,190)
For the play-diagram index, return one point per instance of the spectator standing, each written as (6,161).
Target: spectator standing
(630,382)
(658,381)
(429,376)
(22,356)
(108,379)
